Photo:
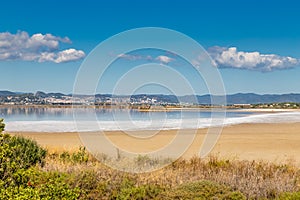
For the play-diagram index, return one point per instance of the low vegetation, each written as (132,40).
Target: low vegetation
(28,172)
(283,105)
(2,125)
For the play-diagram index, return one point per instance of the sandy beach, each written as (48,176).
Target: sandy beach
(278,142)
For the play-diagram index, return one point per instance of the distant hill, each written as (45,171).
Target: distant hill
(37,94)
(251,98)
(41,94)
(7,93)
(239,98)
(44,95)
(266,98)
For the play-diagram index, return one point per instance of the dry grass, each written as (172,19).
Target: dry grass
(256,179)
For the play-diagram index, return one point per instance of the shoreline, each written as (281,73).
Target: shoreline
(158,109)
(272,142)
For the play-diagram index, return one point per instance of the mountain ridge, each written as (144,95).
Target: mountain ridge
(237,98)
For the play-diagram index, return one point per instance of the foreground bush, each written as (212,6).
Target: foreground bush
(2,125)
(20,177)
(41,185)
(289,196)
(16,155)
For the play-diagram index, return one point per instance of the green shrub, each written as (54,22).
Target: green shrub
(214,162)
(90,185)
(80,156)
(54,185)
(128,190)
(16,155)
(41,185)
(2,125)
(21,179)
(289,196)
(202,190)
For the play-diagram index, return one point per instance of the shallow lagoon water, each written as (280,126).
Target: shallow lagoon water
(89,119)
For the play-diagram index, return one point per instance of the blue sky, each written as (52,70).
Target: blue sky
(255,44)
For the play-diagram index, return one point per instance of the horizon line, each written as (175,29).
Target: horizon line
(18,92)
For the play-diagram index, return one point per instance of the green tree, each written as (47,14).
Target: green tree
(2,125)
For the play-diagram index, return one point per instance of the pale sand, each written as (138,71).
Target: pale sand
(269,142)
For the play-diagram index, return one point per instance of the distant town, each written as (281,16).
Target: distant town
(145,101)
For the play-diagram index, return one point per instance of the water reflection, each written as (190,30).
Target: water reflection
(66,114)
(34,113)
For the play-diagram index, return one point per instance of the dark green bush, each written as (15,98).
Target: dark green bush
(2,125)
(90,185)
(17,154)
(201,190)
(128,190)
(289,196)
(21,179)
(54,185)
(41,185)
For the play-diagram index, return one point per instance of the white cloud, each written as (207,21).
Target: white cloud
(232,58)
(62,56)
(69,55)
(130,57)
(38,47)
(133,57)
(164,59)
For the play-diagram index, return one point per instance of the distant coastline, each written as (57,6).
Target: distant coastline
(162,109)
(144,101)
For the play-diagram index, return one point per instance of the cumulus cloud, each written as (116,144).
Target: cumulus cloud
(37,47)
(164,59)
(62,56)
(232,58)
